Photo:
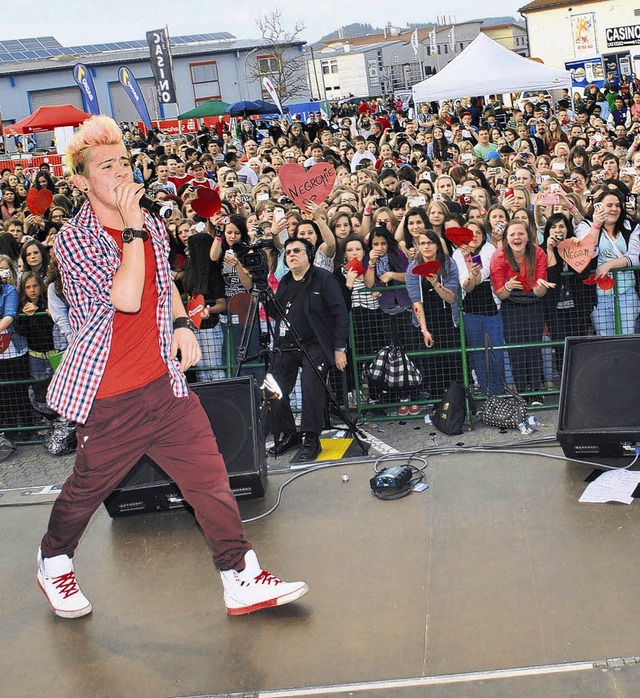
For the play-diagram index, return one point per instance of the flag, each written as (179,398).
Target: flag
(271,89)
(160,56)
(414,41)
(452,39)
(84,79)
(132,88)
(432,41)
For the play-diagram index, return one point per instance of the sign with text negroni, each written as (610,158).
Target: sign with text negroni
(304,187)
(623,36)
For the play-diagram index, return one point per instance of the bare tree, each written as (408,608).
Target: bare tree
(286,67)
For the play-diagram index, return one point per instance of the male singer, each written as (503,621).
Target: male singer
(121,381)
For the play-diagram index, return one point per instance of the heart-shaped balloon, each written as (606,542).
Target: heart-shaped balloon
(355,265)
(606,283)
(5,341)
(304,186)
(38,201)
(194,309)
(577,253)
(207,202)
(526,285)
(459,236)
(426,269)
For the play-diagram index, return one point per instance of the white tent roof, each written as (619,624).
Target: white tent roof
(486,67)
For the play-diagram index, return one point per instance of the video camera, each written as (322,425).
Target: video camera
(253,258)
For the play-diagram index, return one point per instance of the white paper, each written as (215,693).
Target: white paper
(612,486)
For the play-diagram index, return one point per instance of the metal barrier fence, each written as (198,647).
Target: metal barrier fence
(527,350)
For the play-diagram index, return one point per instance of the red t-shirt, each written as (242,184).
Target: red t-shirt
(134,359)
(178,181)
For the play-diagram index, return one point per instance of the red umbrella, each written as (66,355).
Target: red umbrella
(47,118)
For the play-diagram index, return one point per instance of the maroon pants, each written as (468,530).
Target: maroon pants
(176,434)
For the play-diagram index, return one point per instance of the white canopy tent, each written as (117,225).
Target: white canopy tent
(486,67)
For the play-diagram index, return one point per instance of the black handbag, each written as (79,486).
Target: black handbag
(497,411)
(451,412)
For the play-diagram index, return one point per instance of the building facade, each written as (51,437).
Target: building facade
(202,70)
(597,41)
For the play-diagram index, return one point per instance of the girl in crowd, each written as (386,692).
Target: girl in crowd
(569,305)
(519,279)
(203,277)
(433,297)
(387,268)
(35,257)
(9,207)
(481,307)
(415,221)
(15,408)
(617,246)
(35,324)
(319,234)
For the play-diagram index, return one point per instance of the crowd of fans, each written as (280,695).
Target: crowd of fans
(521,180)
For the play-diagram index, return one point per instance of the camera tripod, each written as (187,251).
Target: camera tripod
(261,293)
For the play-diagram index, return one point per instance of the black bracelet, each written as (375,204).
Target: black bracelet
(183,321)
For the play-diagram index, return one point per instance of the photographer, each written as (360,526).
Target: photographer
(313,305)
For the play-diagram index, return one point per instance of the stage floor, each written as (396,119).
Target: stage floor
(495,567)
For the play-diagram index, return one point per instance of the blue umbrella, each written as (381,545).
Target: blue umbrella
(244,108)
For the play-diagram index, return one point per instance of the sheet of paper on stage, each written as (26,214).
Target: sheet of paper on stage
(612,486)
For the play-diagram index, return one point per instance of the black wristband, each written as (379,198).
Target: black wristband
(183,321)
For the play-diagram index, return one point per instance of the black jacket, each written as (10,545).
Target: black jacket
(325,309)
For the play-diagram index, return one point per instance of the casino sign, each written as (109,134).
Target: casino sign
(623,36)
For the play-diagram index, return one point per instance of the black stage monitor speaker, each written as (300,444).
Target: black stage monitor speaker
(599,411)
(232,408)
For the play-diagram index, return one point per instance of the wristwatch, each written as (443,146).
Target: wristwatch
(128,234)
(183,321)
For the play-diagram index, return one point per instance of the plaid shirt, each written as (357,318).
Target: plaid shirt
(88,258)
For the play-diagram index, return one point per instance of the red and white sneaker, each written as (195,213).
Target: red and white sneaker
(254,588)
(57,580)
(403,410)
(415,409)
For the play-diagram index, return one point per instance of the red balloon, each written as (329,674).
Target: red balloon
(207,202)
(426,269)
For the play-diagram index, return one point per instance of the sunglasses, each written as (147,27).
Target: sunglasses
(293,250)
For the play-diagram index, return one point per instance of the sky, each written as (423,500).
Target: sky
(73,22)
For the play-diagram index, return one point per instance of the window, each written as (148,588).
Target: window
(329,67)
(461,45)
(204,77)
(268,65)
(446,48)
(439,49)
(428,50)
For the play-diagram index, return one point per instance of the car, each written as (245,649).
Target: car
(533,97)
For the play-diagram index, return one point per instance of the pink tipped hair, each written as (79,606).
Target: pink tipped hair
(98,130)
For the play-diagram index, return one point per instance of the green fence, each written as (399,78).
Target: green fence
(535,363)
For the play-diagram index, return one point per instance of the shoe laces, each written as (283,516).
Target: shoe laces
(66,584)
(267,578)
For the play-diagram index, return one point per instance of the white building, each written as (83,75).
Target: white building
(600,41)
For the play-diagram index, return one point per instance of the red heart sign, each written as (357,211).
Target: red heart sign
(207,202)
(38,201)
(355,265)
(304,187)
(459,236)
(194,310)
(591,281)
(577,253)
(5,341)
(426,269)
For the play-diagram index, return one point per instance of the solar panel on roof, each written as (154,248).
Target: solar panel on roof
(12,45)
(31,43)
(5,57)
(66,51)
(49,42)
(18,55)
(44,53)
(111,47)
(30,54)
(178,40)
(78,49)
(102,47)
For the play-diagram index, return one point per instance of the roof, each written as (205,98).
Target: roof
(540,5)
(332,51)
(423,35)
(140,55)
(485,28)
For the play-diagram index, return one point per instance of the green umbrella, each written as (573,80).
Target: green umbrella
(212,107)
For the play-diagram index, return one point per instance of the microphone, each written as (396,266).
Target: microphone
(163,209)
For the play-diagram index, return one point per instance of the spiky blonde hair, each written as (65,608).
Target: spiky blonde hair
(98,130)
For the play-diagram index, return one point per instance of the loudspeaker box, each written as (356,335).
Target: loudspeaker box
(232,407)
(599,410)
